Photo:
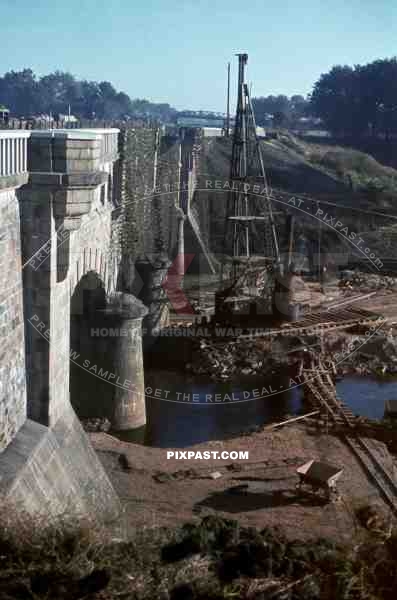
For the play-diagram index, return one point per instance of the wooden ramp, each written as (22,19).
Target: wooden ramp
(320,386)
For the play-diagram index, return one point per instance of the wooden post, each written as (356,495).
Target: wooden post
(291,223)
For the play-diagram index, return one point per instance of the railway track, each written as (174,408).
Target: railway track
(322,389)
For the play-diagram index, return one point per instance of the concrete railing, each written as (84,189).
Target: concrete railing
(13,152)
(56,150)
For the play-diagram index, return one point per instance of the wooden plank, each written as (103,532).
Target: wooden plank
(293,420)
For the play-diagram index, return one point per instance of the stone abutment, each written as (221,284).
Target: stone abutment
(89,225)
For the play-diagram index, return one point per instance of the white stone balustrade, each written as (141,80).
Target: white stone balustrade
(14,145)
(51,151)
(13,152)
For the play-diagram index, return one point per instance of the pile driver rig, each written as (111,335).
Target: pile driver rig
(251,255)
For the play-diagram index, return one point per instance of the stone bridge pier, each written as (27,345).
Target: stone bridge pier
(59,282)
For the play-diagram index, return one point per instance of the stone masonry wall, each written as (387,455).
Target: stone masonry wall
(165,204)
(89,251)
(146,223)
(138,158)
(137,219)
(12,344)
(63,209)
(50,287)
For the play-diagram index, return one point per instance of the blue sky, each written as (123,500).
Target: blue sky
(176,51)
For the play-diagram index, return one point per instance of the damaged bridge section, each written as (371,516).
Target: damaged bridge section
(85,224)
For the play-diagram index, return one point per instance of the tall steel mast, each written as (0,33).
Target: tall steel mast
(227,127)
(240,205)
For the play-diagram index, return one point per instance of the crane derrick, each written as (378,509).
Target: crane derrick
(251,254)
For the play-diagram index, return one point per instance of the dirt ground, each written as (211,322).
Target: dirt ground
(258,492)
(382,303)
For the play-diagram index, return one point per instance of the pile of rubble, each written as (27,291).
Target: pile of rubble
(221,361)
(376,356)
(367,281)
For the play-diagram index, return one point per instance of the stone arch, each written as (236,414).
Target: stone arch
(106,363)
(90,394)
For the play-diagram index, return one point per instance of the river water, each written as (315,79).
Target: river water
(178,421)
(219,411)
(367,396)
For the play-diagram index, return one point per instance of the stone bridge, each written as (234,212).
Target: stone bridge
(81,211)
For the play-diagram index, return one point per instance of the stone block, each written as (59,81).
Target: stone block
(77,154)
(55,470)
(68,143)
(90,179)
(66,165)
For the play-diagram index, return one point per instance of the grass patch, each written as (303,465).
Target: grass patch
(358,170)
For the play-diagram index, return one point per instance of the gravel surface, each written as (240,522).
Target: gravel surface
(259,492)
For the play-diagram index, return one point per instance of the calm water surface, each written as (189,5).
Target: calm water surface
(366,396)
(181,423)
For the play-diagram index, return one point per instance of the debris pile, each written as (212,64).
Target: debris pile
(374,356)
(224,360)
(367,281)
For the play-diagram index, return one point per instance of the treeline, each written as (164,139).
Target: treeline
(26,95)
(280,110)
(351,101)
(358,101)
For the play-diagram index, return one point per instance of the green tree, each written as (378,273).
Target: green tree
(57,91)
(25,95)
(336,100)
(19,91)
(379,95)
(358,101)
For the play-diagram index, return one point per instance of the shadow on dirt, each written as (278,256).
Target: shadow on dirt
(240,499)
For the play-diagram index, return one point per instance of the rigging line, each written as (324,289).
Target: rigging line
(275,191)
(310,198)
(265,181)
(327,202)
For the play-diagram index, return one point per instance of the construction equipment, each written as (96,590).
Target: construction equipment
(319,476)
(247,212)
